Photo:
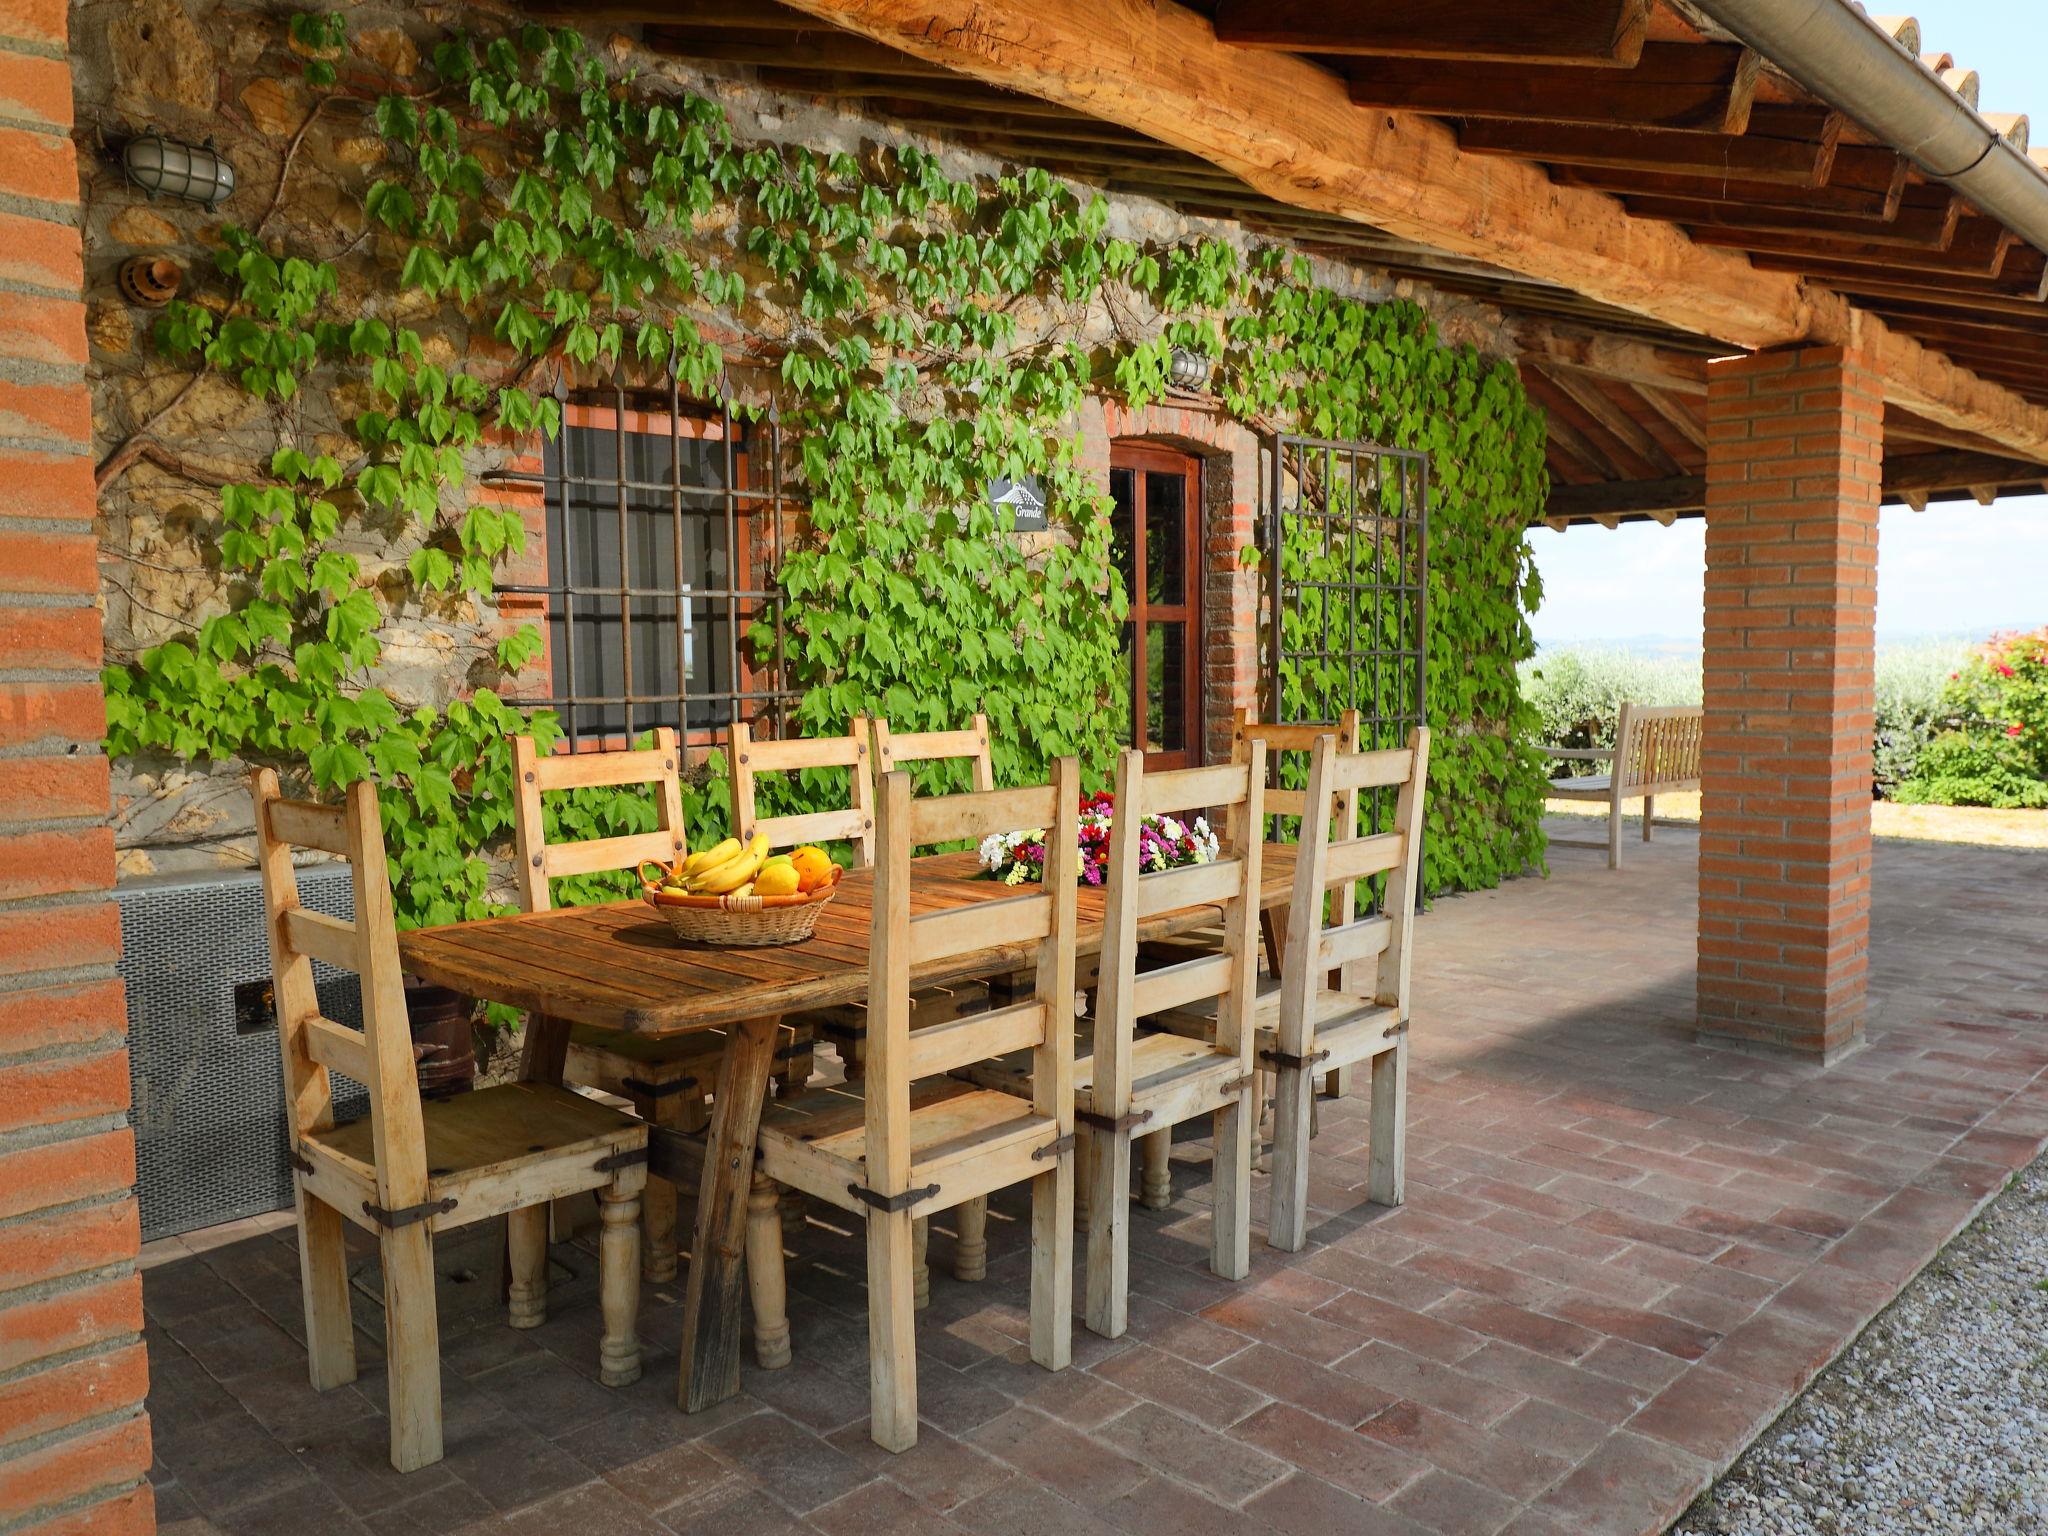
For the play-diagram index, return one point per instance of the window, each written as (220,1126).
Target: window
(665,524)
(1156,519)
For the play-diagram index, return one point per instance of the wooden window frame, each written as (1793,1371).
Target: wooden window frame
(1143,457)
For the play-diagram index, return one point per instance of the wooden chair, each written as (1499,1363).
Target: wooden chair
(1155,1081)
(1319,1027)
(907,1139)
(411,1169)
(1252,733)
(666,1081)
(1656,751)
(847,1028)
(855,824)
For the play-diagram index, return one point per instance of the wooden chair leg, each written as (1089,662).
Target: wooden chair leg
(526,1234)
(1109,1231)
(1155,1149)
(658,1203)
(1614,835)
(618,1281)
(892,1330)
(1336,1082)
(767,1282)
(1293,1099)
(921,1245)
(1052,1265)
(1084,1175)
(1386,1182)
(412,1346)
(323,1285)
(1230,1227)
(1649,814)
(970,1246)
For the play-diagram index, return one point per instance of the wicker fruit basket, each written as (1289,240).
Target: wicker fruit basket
(747,921)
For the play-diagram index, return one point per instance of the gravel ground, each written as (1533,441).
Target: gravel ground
(1926,823)
(1935,1420)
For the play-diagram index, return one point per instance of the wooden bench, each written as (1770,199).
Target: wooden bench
(1656,751)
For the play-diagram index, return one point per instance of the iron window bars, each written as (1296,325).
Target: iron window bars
(1345,548)
(645,491)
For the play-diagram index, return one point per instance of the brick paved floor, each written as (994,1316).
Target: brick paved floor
(1622,1254)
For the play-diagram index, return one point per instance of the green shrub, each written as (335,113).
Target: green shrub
(1975,768)
(1910,708)
(1578,693)
(2004,687)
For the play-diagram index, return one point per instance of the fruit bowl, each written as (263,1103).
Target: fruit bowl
(745,921)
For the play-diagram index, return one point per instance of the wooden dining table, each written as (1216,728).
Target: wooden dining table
(620,966)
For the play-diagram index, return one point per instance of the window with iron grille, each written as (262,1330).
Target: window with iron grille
(665,524)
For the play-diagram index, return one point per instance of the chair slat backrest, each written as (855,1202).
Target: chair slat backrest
(379,1055)
(1276,739)
(1318,943)
(1658,746)
(538,860)
(895,749)
(901,942)
(751,757)
(1230,975)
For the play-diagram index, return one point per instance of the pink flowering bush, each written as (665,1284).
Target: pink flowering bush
(1164,842)
(1996,752)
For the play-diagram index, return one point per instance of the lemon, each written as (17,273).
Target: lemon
(777,880)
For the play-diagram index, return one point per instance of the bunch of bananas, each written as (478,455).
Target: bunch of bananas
(733,868)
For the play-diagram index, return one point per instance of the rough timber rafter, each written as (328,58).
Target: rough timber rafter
(1705,87)
(1287,128)
(1591,32)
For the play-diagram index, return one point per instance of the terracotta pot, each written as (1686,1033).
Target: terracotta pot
(442,1046)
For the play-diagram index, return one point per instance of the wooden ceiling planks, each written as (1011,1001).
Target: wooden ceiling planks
(1793,146)
(1595,33)
(1706,89)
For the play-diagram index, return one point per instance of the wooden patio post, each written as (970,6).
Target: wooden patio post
(1795,451)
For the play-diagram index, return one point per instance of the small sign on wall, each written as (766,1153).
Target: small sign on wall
(1025,498)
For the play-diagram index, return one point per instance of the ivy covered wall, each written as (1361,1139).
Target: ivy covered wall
(299,550)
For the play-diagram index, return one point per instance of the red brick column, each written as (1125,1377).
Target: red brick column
(1794,456)
(74,1440)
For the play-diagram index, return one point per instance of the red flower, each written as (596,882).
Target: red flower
(2004,671)
(2013,730)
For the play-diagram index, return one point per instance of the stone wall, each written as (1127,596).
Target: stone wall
(221,69)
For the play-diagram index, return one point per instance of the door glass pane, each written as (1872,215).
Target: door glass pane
(1166,715)
(1166,538)
(1123,492)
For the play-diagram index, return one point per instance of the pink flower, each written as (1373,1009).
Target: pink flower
(2004,671)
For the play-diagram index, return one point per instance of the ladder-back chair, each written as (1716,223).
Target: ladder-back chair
(751,757)
(1319,1027)
(665,1080)
(410,1169)
(1150,1083)
(909,1139)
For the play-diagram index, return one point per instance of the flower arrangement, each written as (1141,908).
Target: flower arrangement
(1164,842)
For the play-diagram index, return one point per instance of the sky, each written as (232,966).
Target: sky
(1955,569)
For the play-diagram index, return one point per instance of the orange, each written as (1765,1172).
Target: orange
(813,866)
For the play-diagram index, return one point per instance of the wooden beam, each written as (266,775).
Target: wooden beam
(1687,494)
(1587,394)
(1977,249)
(1707,88)
(2000,295)
(1565,434)
(1677,413)
(1792,145)
(1612,357)
(1287,128)
(1930,229)
(1586,32)
(818,48)
(1844,201)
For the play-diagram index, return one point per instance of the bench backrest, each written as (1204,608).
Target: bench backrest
(379,1055)
(538,860)
(752,756)
(1657,747)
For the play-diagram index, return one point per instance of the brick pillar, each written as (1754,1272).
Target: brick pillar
(74,1440)
(1794,456)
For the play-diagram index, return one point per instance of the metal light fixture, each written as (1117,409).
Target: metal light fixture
(195,172)
(1188,371)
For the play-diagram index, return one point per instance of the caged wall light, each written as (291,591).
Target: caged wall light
(195,172)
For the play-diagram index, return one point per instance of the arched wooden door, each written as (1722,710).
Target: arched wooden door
(1158,537)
